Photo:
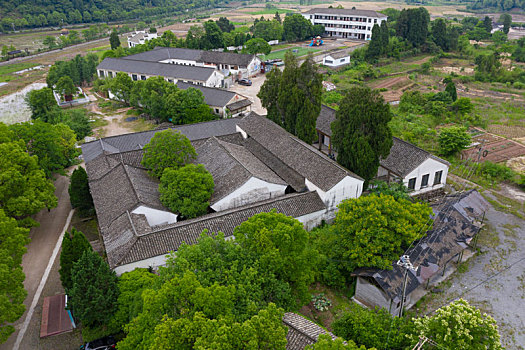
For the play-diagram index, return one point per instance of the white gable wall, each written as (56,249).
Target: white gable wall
(154,263)
(253,190)
(429,166)
(335,62)
(215,80)
(348,187)
(155,216)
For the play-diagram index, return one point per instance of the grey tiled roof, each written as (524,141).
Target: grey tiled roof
(344,12)
(405,157)
(215,57)
(136,141)
(169,238)
(302,332)
(122,189)
(301,157)
(231,166)
(239,104)
(212,96)
(325,119)
(339,54)
(167,70)
(452,230)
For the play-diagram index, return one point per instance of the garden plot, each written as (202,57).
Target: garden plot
(393,88)
(495,149)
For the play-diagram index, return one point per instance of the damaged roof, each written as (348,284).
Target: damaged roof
(302,332)
(452,232)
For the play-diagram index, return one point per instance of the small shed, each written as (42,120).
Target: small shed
(336,59)
(55,318)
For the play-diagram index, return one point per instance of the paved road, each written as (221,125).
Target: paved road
(40,249)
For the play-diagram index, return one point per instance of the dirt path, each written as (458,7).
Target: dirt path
(43,241)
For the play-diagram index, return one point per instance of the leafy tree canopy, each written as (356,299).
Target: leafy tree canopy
(374,231)
(186,190)
(79,194)
(460,326)
(114,40)
(257,45)
(167,149)
(453,139)
(12,293)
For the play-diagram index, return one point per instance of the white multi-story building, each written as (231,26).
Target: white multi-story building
(344,23)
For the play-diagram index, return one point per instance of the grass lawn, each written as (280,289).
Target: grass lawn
(7,71)
(270,11)
(301,51)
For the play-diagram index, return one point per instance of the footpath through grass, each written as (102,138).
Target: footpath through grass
(298,52)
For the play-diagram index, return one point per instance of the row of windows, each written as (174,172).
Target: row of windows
(346,26)
(136,77)
(350,19)
(424,180)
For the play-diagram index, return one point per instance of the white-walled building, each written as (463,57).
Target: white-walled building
(256,166)
(346,23)
(140,37)
(420,171)
(336,59)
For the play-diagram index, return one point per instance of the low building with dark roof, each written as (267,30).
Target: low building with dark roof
(142,70)
(420,171)
(302,332)
(229,63)
(252,172)
(345,23)
(140,37)
(224,103)
(457,220)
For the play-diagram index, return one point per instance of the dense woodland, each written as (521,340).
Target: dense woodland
(31,13)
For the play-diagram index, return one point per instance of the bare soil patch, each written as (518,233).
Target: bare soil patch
(395,87)
(511,132)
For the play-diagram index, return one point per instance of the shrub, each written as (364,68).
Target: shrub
(321,302)
(453,139)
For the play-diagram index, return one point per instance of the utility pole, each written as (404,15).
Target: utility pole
(420,343)
(404,261)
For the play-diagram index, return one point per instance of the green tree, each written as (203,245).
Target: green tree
(361,134)
(325,342)
(460,326)
(439,33)
(257,45)
(293,98)
(54,145)
(121,86)
(94,291)
(268,30)
(78,121)
(395,189)
(24,189)
(373,328)
(280,243)
(114,40)
(453,139)
(79,194)
(213,37)
(296,27)
(74,245)
(50,42)
(186,190)
(42,104)
(450,88)
(167,149)
(277,17)
(487,24)
(12,293)
(373,231)
(506,19)
(225,25)
(499,38)
(385,37)
(188,106)
(412,25)
(375,46)
(66,86)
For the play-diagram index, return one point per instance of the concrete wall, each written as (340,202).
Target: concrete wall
(429,166)
(253,190)
(153,262)
(371,295)
(155,216)
(215,80)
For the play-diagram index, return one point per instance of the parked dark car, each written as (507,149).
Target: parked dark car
(245,82)
(105,343)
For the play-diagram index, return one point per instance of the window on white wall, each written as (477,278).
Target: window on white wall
(437,177)
(412,184)
(424,180)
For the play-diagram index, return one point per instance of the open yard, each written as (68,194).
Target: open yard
(297,51)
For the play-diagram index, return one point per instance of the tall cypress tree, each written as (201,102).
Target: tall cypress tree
(73,246)
(94,292)
(361,134)
(385,37)
(114,40)
(439,33)
(310,85)
(79,194)
(375,47)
